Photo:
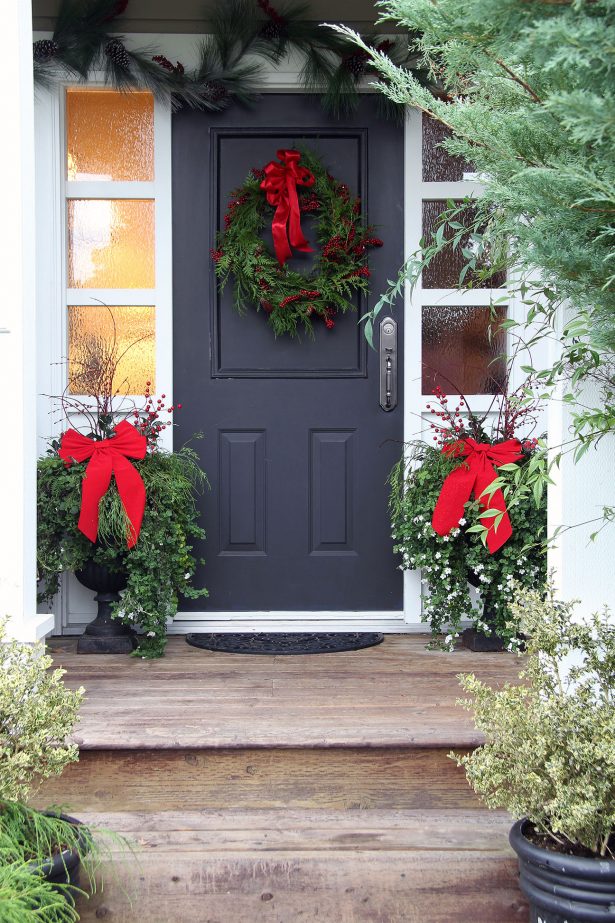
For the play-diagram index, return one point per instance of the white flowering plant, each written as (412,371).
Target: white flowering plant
(450,563)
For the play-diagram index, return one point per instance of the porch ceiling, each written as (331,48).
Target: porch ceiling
(186,16)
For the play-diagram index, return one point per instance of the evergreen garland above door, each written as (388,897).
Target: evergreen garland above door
(244,35)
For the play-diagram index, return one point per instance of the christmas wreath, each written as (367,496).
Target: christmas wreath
(296,184)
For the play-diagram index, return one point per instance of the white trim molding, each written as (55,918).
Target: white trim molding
(17,339)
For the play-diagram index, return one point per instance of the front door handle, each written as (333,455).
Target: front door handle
(388,363)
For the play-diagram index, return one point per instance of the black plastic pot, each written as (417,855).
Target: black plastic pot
(64,868)
(105,635)
(563,889)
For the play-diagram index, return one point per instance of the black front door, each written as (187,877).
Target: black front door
(296,445)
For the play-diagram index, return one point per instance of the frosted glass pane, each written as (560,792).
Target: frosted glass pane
(100,336)
(444,270)
(109,135)
(438,166)
(457,354)
(111,243)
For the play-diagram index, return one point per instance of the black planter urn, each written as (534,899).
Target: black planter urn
(561,888)
(104,635)
(478,641)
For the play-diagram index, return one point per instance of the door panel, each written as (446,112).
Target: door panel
(296,446)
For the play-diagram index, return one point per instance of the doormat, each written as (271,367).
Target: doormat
(286,642)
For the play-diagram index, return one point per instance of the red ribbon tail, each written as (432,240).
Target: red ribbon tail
(455,493)
(297,237)
(278,230)
(132,494)
(94,486)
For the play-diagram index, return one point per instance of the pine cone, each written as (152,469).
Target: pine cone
(273,31)
(216,91)
(356,64)
(44,50)
(118,54)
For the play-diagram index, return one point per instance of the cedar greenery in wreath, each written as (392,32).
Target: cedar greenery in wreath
(279,194)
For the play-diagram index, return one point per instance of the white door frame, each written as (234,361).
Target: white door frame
(73,608)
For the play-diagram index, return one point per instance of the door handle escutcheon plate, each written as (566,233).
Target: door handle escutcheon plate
(388,363)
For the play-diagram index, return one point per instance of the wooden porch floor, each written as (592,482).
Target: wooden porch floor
(287,789)
(395,694)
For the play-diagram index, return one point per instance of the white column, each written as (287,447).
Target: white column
(583,568)
(17,333)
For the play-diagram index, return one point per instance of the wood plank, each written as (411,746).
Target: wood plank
(307,830)
(268,778)
(282,887)
(395,694)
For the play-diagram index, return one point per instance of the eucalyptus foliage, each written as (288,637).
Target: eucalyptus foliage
(159,567)
(530,101)
(550,751)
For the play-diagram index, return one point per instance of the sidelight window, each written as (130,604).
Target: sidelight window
(463,344)
(114,197)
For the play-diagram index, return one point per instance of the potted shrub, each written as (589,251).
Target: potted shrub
(126,530)
(40,852)
(549,758)
(470,508)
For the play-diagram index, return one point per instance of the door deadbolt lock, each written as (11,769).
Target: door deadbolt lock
(388,363)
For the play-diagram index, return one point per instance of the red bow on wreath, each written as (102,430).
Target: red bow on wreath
(280,184)
(107,457)
(474,475)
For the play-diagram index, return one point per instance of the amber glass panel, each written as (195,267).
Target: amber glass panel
(445,269)
(109,135)
(111,347)
(457,353)
(438,165)
(111,243)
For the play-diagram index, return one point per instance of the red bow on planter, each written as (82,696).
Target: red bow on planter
(473,476)
(280,184)
(107,457)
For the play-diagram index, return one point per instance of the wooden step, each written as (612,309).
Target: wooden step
(398,694)
(339,778)
(358,866)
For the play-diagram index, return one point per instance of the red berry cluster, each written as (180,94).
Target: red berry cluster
(309,203)
(334,249)
(147,420)
(257,173)
(454,427)
(216,255)
(168,66)
(233,205)
(271,11)
(529,445)
(302,294)
(362,273)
